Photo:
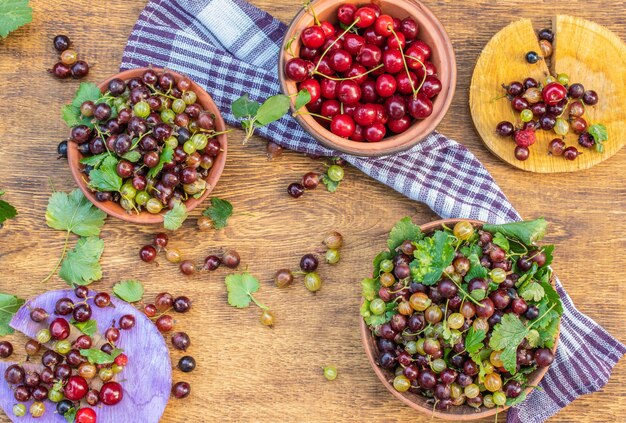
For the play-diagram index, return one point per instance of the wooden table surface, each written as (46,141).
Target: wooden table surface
(247,372)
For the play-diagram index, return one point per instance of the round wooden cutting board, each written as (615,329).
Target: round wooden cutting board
(587,52)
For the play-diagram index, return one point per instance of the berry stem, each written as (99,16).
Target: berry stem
(258,303)
(67,238)
(351,77)
(308,8)
(312,114)
(335,42)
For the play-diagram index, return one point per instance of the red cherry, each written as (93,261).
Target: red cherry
(340,60)
(357,73)
(373,38)
(420,106)
(409,28)
(386,85)
(397,126)
(297,69)
(313,37)
(85,415)
(358,134)
(366,16)
(432,86)
(384,25)
(392,60)
(349,110)
(553,93)
(376,8)
(365,114)
(352,43)
(313,87)
(395,106)
(323,66)
(427,69)
(342,125)
(76,388)
(330,108)
(348,92)
(415,57)
(423,47)
(111,393)
(375,132)
(370,56)
(345,13)
(404,83)
(307,53)
(328,88)
(59,329)
(328,28)
(368,91)
(392,42)
(381,114)
(332,43)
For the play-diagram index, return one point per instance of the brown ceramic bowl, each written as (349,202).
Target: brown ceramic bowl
(416,401)
(114,209)
(431,31)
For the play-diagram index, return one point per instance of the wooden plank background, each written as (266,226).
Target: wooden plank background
(247,372)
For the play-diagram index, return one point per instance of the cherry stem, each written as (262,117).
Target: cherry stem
(308,8)
(313,114)
(67,238)
(335,42)
(351,77)
(406,66)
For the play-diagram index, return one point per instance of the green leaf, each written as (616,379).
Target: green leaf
(533,338)
(132,156)
(7,211)
(9,304)
(87,91)
(70,415)
(240,287)
(404,230)
(166,157)
(243,107)
(219,212)
(514,401)
(501,241)
(476,269)
(95,161)
(532,292)
(548,250)
(97,356)
(90,327)
(527,232)
(174,218)
(599,132)
(506,336)
(302,99)
(331,186)
(129,290)
(443,254)
(383,255)
(272,109)
(474,340)
(548,334)
(370,288)
(468,250)
(81,266)
(74,212)
(105,178)
(553,297)
(14,14)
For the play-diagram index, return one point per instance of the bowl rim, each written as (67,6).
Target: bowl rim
(389,145)
(144,217)
(366,336)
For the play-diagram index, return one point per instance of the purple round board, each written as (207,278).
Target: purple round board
(146,380)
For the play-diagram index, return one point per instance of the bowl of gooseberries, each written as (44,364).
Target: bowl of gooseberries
(381,75)
(153,139)
(469,339)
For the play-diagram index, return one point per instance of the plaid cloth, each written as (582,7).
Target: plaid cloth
(231,47)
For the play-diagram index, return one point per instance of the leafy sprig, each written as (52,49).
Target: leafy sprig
(97,356)
(87,91)
(240,287)
(13,15)
(527,232)
(174,218)
(219,212)
(600,134)
(9,304)
(130,290)
(7,211)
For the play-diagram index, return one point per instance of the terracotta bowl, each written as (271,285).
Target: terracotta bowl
(113,208)
(418,402)
(431,31)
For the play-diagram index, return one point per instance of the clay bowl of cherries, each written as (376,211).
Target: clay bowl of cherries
(381,75)
(157,139)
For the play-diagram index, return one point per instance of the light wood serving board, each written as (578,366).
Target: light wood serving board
(587,52)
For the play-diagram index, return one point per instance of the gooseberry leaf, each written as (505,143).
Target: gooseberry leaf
(243,107)
(14,14)
(87,91)
(9,304)
(129,290)
(81,266)
(105,178)
(474,340)
(97,356)
(501,241)
(518,400)
(7,211)
(527,232)
(240,287)
(532,292)
(331,186)
(370,288)
(506,336)
(132,156)
(174,218)
(94,161)
(302,99)
(477,270)
(90,327)
(166,157)
(383,255)
(442,253)
(73,212)
(272,109)
(404,230)
(70,415)
(219,212)
(599,132)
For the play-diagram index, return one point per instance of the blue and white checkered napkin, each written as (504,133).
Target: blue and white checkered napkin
(231,47)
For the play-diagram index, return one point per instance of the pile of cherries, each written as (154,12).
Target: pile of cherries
(146,115)
(148,253)
(157,311)
(66,377)
(68,64)
(366,80)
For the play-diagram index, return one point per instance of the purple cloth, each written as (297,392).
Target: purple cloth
(231,48)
